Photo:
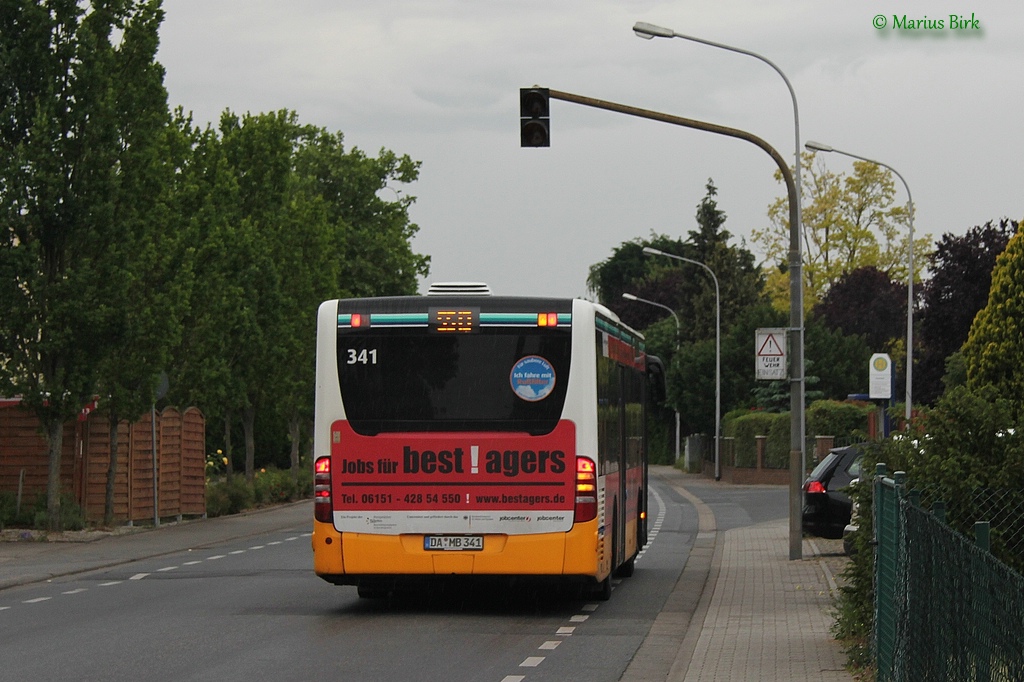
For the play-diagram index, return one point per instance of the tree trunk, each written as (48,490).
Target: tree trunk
(228,467)
(108,501)
(55,442)
(248,425)
(294,433)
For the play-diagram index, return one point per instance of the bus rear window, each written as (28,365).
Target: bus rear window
(407,379)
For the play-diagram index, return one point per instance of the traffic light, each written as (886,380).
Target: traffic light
(534,117)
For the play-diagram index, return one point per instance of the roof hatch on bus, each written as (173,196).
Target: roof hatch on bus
(460,288)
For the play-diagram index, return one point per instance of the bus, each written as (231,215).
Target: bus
(465,434)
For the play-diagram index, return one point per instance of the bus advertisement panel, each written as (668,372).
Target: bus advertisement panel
(453,483)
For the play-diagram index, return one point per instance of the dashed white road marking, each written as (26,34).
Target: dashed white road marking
(141,576)
(567,631)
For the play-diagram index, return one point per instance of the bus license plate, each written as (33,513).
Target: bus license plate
(453,542)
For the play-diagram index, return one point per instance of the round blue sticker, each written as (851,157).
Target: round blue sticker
(532,378)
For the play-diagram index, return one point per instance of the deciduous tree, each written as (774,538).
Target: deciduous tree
(848,222)
(868,303)
(81,108)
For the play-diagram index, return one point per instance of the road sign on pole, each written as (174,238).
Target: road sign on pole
(770,354)
(880,377)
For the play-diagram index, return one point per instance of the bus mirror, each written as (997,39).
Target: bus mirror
(656,378)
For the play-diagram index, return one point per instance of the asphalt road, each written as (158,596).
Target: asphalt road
(251,608)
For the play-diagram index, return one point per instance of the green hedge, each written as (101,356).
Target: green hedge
(844,420)
(743,429)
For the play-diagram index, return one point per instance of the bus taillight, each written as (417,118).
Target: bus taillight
(586,489)
(322,507)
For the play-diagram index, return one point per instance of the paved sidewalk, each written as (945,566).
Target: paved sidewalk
(768,617)
(758,615)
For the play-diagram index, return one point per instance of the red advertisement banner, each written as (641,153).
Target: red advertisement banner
(453,482)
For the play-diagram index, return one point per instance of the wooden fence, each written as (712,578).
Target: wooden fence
(180,462)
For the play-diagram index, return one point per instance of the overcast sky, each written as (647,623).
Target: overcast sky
(439,80)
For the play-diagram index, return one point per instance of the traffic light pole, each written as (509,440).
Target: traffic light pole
(796,303)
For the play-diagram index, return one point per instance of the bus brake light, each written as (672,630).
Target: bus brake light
(586,490)
(547,319)
(323,510)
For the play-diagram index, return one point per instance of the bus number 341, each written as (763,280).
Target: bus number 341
(362,357)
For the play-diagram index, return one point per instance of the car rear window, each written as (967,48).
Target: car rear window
(854,469)
(824,466)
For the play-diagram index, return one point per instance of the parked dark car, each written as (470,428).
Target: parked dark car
(827,507)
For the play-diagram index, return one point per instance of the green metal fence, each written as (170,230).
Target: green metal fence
(945,608)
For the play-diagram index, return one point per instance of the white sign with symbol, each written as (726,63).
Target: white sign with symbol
(770,350)
(880,377)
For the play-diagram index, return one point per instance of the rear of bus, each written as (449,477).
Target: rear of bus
(453,437)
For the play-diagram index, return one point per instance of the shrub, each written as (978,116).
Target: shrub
(970,440)
(216,499)
(746,427)
(273,486)
(6,509)
(11,516)
(228,496)
(839,419)
(304,482)
(72,516)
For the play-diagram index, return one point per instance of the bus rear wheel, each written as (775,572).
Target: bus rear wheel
(626,569)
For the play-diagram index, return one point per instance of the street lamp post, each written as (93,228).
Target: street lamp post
(798,444)
(649,251)
(819,147)
(631,297)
